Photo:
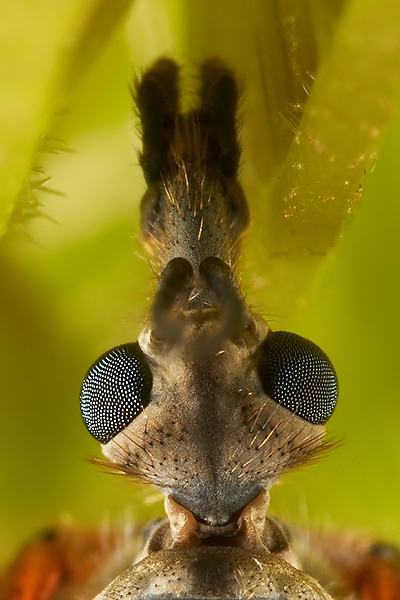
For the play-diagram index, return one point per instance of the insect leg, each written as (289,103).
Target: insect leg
(66,562)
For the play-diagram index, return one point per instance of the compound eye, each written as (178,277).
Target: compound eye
(296,374)
(115,390)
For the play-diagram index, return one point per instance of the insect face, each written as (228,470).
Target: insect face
(209,405)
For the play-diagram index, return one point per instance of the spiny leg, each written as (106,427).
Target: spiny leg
(194,206)
(219,98)
(156,97)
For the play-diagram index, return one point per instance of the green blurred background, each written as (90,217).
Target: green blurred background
(76,281)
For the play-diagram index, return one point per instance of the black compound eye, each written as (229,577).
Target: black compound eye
(115,390)
(296,374)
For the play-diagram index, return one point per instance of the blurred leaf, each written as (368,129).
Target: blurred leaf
(48,45)
(334,147)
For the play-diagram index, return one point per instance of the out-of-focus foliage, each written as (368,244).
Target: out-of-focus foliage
(46,49)
(320,88)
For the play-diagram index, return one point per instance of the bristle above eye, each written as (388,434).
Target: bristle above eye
(298,375)
(115,390)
